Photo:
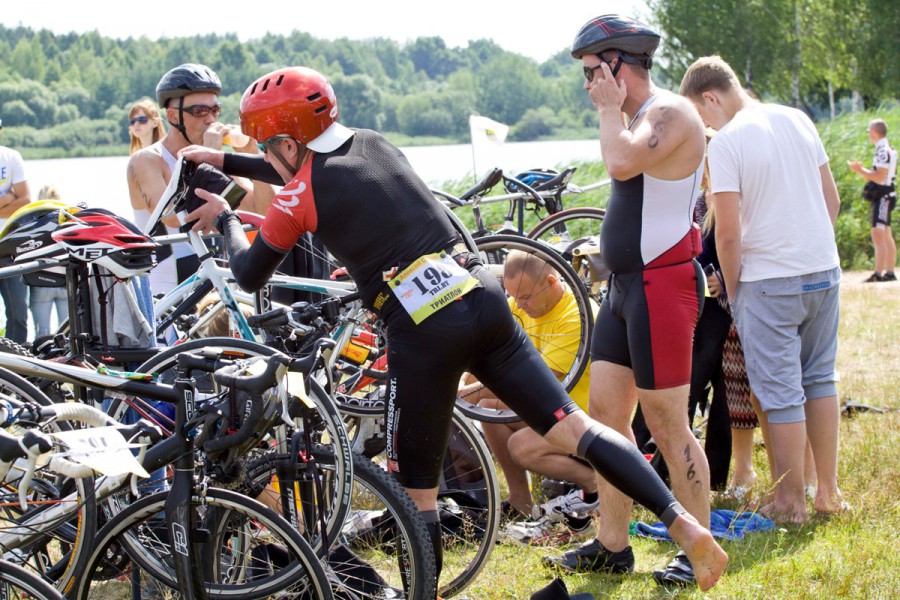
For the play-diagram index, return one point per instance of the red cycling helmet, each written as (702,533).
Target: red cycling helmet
(294,101)
(99,236)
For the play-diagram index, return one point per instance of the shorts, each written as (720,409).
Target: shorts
(882,209)
(647,321)
(788,327)
(476,333)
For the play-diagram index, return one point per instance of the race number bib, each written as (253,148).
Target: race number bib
(430,283)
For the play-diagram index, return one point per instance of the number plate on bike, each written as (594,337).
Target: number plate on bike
(430,283)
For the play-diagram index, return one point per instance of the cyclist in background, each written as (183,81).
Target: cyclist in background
(189,97)
(444,313)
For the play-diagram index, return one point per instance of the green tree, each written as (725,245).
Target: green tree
(17,112)
(508,85)
(359,100)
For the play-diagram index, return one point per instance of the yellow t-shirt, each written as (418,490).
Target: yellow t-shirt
(556,336)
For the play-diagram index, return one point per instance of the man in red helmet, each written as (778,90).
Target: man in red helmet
(445,314)
(652,143)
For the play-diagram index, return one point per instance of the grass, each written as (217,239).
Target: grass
(852,556)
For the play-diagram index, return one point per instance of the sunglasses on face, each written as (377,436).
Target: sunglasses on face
(202,110)
(141,120)
(264,145)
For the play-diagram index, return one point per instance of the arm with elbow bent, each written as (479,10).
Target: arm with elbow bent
(252,265)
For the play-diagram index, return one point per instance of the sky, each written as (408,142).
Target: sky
(538,29)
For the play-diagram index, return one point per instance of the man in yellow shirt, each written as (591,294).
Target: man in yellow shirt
(547,311)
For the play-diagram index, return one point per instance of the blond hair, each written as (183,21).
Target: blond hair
(708,73)
(49,192)
(149,108)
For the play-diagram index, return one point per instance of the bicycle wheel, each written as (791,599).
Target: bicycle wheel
(495,249)
(468,498)
(575,234)
(49,537)
(324,422)
(384,550)
(249,551)
(18,584)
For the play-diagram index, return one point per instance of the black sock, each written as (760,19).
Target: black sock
(590,497)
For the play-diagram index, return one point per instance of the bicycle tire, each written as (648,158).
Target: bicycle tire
(577,229)
(493,250)
(468,500)
(18,584)
(472,540)
(382,521)
(241,523)
(54,550)
(328,416)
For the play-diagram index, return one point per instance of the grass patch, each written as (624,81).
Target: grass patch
(852,556)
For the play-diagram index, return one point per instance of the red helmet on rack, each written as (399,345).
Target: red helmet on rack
(99,236)
(294,101)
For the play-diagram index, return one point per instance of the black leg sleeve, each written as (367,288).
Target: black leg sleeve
(432,520)
(618,461)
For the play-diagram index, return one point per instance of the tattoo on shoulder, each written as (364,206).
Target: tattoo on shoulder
(660,123)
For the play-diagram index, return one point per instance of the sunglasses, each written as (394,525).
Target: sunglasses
(202,110)
(264,145)
(141,120)
(589,72)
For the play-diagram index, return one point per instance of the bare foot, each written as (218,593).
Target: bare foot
(740,486)
(827,504)
(786,514)
(706,556)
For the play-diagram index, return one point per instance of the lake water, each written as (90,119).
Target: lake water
(101,182)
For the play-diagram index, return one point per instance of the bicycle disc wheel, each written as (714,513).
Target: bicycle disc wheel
(18,584)
(325,424)
(249,551)
(575,234)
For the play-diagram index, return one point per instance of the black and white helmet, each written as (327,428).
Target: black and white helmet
(615,32)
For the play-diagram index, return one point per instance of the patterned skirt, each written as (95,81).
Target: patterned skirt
(737,387)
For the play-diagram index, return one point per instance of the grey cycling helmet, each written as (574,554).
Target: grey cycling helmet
(187,79)
(615,32)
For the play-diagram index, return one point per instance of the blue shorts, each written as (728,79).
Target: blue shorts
(788,327)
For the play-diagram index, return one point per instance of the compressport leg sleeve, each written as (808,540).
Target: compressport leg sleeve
(621,464)
(432,520)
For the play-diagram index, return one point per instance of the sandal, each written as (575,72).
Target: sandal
(677,572)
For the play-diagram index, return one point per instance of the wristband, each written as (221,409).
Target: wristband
(224,216)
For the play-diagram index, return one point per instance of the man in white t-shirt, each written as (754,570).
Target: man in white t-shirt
(14,194)
(776,203)
(881,192)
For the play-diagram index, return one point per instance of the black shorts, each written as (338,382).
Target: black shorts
(478,334)
(882,209)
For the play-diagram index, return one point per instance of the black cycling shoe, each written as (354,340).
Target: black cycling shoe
(678,572)
(874,277)
(593,557)
(889,276)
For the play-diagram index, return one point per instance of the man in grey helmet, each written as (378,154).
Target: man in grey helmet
(188,96)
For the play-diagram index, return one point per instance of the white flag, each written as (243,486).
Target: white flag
(487,130)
